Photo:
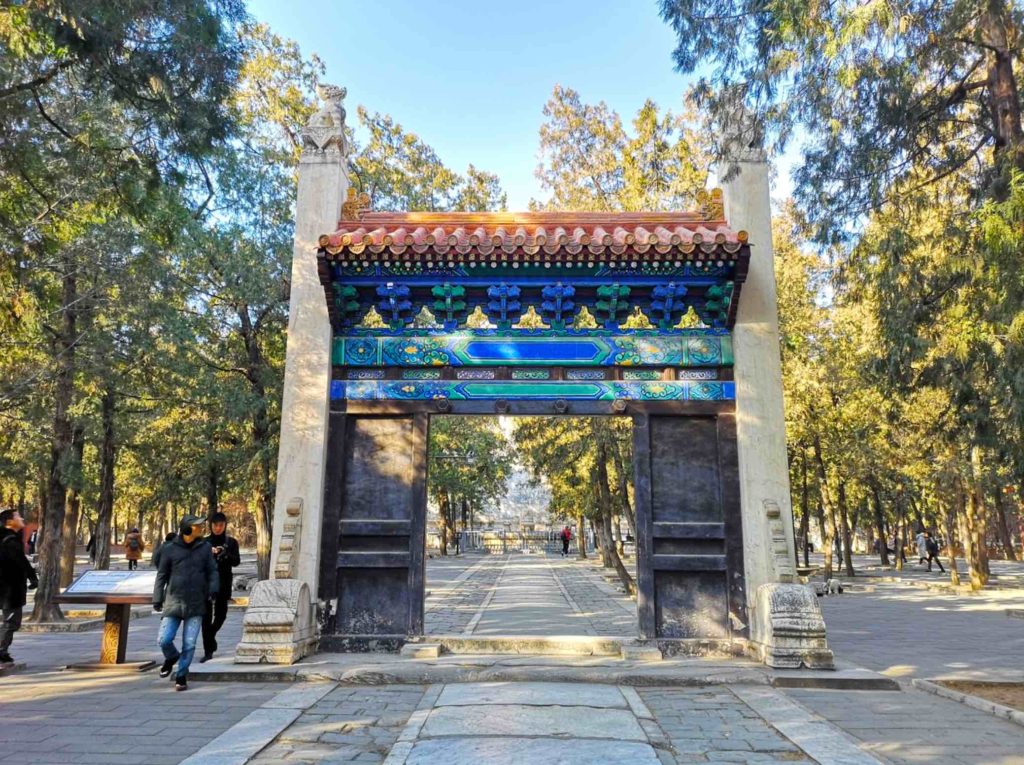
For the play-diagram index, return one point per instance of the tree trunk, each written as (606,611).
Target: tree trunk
(260,432)
(883,542)
(61,453)
(72,514)
(805,510)
(620,548)
(442,524)
(1003,529)
(212,487)
(605,499)
(829,508)
(581,537)
(627,506)
(1004,99)
(954,574)
(844,518)
(974,518)
(108,460)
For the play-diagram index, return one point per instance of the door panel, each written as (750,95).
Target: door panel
(690,530)
(380,526)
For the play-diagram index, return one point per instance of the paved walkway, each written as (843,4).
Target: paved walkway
(59,717)
(542,724)
(909,632)
(522,594)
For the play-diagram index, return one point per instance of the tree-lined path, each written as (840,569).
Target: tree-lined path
(521,594)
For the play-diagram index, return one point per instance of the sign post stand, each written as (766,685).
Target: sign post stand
(118,590)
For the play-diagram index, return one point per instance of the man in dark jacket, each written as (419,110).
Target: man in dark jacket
(155,559)
(186,581)
(225,552)
(15,571)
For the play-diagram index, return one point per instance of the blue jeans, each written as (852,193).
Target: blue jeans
(189,635)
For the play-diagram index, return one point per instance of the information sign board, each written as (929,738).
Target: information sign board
(113,583)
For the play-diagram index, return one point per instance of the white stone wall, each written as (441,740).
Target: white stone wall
(760,420)
(322,187)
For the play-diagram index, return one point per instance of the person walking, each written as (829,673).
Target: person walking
(154,559)
(932,546)
(922,547)
(185,583)
(225,552)
(566,539)
(133,547)
(15,572)
(32,541)
(90,546)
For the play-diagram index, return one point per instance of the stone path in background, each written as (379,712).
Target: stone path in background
(523,594)
(907,632)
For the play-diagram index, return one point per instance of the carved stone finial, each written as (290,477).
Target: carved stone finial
(741,132)
(354,205)
(325,131)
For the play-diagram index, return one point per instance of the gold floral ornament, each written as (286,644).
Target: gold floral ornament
(372,320)
(424,319)
(478,319)
(712,204)
(637,320)
(690,320)
(584,320)
(355,205)
(531,320)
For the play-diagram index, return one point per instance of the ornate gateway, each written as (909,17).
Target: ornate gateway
(533,313)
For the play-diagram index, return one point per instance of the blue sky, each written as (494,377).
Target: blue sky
(471,77)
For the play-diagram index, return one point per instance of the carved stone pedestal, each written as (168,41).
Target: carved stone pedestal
(790,628)
(279,625)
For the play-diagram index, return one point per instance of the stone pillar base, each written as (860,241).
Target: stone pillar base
(278,627)
(789,629)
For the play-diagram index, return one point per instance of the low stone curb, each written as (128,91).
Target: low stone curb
(815,682)
(1015,613)
(411,672)
(975,702)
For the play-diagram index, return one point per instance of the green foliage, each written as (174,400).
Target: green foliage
(400,171)
(470,459)
(590,162)
(877,91)
(565,450)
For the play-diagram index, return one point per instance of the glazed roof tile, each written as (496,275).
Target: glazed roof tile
(538,234)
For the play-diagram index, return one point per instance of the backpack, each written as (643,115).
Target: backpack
(133,543)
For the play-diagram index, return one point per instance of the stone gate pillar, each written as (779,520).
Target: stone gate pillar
(786,627)
(322,187)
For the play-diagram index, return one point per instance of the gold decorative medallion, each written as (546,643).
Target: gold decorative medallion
(478,319)
(372,320)
(531,320)
(689,320)
(637,320)
(584,320)
(425,319)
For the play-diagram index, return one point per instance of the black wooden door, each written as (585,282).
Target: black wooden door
(380,525)
(690,552)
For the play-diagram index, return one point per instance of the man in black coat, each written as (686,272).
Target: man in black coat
(186,581)
(15,571)
(225,552)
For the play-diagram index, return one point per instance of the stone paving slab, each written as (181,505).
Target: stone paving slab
(917,728)
(533,694)
(523,720)
(493,751)
(75,719)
